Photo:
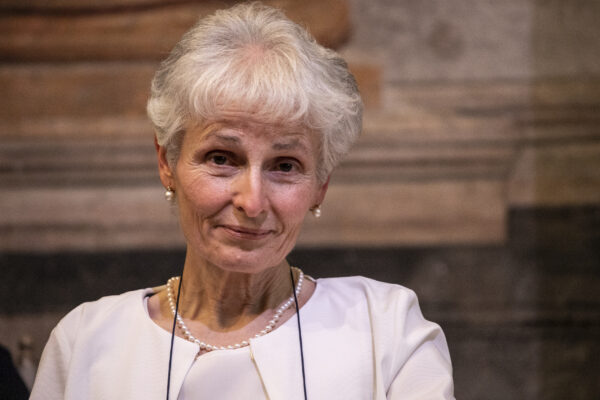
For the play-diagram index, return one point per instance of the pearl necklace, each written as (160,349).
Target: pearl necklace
(209,347)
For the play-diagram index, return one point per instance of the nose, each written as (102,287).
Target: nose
(248,193)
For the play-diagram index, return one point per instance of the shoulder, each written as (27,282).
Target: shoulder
(405,344)
(106,305)
(391,310)
(91,316)
(378,294)
(394,315)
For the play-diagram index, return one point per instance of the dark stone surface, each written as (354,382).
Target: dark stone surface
(58,282)
(522,319)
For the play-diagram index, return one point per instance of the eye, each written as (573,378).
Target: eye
(219,158)
(285,166)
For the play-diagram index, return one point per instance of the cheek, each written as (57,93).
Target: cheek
(202,194)
(293,205)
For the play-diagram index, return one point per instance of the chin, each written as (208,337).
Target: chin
(249,262)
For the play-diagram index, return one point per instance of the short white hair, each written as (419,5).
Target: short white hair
(252,57)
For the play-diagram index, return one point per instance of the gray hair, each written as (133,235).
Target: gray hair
(252,56)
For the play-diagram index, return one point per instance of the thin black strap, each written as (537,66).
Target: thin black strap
(173,335)
(299,333)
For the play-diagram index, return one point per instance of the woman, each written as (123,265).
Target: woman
(251,116)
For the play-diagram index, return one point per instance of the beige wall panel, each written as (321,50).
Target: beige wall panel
(78,99)
(94,218)
(58,164)
(466,40)
(396,213)
(42,6)
(434,40)
(565,37)
(369,79)
(141,33)
(560,175)
(515,102)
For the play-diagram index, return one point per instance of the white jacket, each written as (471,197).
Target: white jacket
(363,339)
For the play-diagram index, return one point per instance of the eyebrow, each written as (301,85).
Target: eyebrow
(292,144)
(221,136)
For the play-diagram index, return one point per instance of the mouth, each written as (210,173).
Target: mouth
(242,232)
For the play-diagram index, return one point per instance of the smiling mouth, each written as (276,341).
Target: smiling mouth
(245,233)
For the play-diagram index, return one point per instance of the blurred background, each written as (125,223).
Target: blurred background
(476,181)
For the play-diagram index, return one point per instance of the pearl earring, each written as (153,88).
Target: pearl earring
(316,211)
(169,194)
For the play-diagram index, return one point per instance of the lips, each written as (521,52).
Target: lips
(245,232)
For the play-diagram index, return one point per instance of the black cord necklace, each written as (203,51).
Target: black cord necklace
(299,334)
(173,335)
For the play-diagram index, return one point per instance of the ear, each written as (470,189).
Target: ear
(164,170)
(322,192)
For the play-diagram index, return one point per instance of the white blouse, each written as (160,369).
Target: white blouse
(210,375)
(362,339)
(222,374)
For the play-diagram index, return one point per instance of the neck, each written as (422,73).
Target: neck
(226,300)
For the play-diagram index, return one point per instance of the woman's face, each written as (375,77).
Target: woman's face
(243,190)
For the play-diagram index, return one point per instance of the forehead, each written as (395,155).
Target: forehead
(236,129)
